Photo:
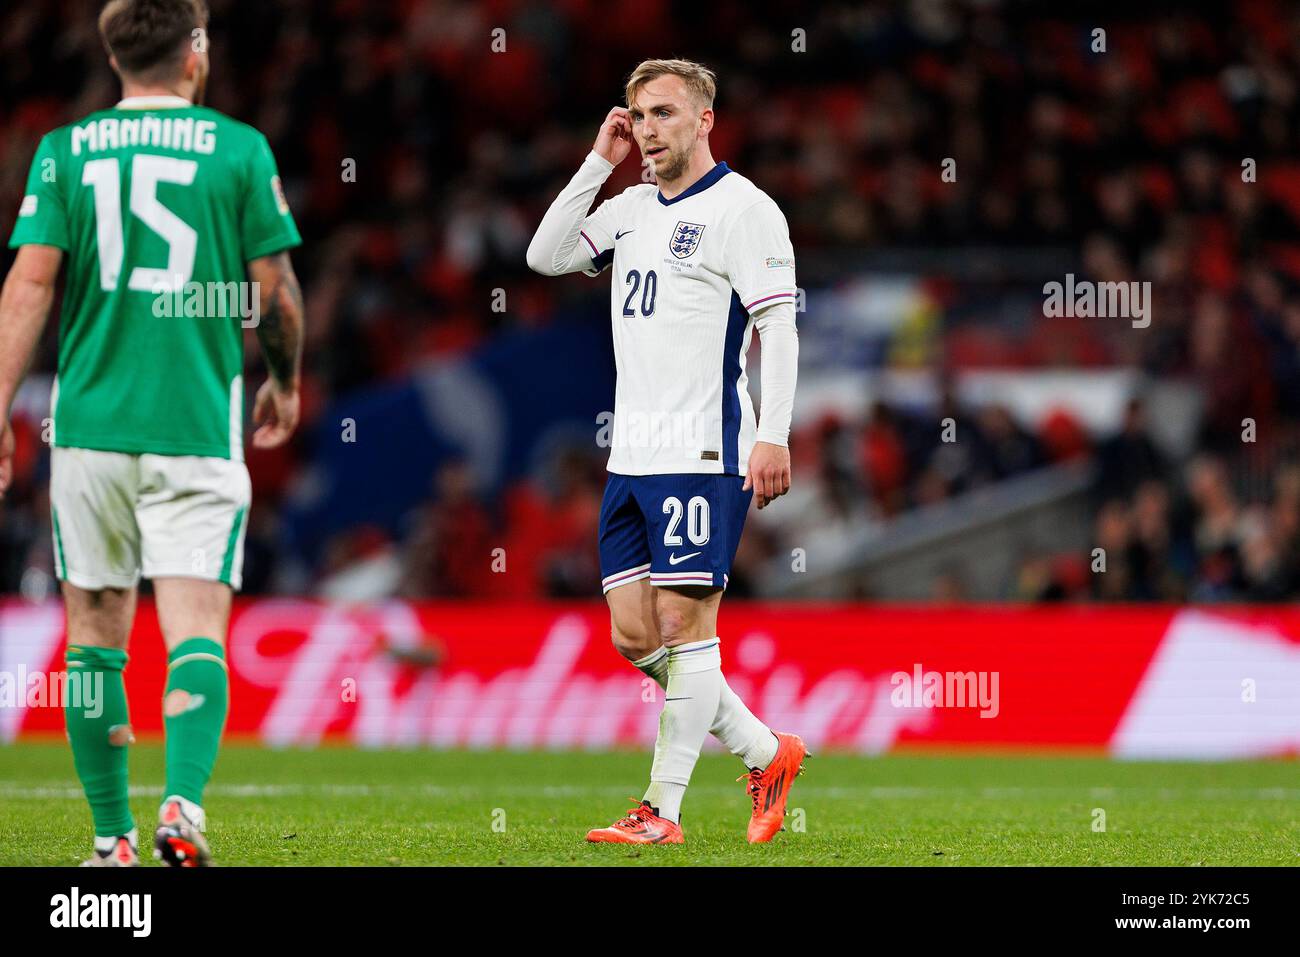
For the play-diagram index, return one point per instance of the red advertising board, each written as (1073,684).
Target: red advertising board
(1140,682)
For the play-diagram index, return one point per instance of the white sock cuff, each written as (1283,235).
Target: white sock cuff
(650,660)
(695,657)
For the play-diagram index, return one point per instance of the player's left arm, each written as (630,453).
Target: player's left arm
(24,306)
(760,262)
(267,233)
(280,332)
(769,461)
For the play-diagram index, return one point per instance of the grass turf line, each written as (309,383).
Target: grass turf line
(338,806)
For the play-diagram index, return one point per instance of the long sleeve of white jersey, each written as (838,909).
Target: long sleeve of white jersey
(760,262)
(567,239)
(780,369)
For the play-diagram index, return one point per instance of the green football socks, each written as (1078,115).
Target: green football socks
(194,714)
(99,730)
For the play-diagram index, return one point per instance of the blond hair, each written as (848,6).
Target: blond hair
(701,82)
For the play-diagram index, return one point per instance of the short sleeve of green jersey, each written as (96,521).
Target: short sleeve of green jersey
(42,217)
(267,226)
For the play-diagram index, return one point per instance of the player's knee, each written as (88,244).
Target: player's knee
(675,626)
(632,644)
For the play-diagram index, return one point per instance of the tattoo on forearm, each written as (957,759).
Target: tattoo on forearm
(280,331)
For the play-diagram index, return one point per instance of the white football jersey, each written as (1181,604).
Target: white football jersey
(688,275)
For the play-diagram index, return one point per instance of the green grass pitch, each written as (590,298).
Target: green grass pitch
(338,806)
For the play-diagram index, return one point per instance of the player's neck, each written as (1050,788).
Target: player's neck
(700,164)
(183,90)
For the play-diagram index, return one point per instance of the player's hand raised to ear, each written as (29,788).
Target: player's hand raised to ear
(614,141)
(769,472)
(6,457)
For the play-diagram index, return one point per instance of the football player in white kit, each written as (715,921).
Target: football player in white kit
(700,259)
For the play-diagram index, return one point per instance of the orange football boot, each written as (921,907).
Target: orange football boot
(641,826)
(770,787)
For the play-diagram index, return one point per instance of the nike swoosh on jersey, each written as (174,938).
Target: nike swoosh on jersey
(618,236)
(674,560)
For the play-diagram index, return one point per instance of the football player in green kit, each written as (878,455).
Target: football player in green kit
(175,230)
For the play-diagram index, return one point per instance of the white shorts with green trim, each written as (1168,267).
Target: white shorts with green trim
(117,516)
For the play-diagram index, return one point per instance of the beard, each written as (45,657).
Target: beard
(674,166)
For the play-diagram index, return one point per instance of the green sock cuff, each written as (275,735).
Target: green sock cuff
(104,659)
(196,646)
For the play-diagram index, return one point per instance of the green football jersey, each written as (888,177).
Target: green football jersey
(158,204)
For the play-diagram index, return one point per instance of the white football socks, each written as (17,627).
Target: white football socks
(741,733)
(734,725)
(666,798)
(655,665)
(690,704)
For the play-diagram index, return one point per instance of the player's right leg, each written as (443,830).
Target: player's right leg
(96,548)
(625,572)
(97,716)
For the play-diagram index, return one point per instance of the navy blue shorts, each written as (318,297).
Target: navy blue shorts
(673,529)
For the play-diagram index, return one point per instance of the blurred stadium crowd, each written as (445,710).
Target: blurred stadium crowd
(1130,161)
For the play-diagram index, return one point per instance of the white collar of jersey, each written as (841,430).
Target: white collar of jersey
(153,103)
(701,184)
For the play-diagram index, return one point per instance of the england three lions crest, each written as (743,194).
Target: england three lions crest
(686,237)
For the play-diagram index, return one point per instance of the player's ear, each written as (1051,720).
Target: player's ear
(706,121)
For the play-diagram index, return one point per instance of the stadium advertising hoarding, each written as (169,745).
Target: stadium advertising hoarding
(1132,682)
